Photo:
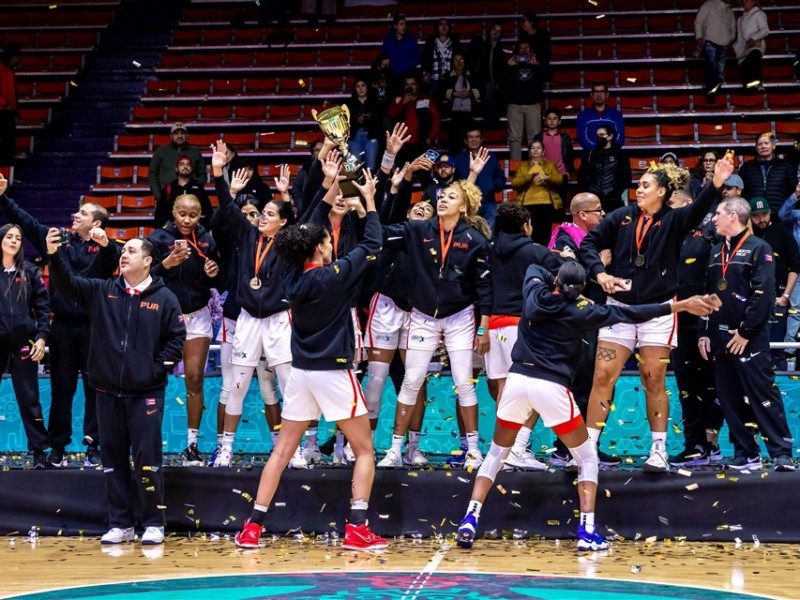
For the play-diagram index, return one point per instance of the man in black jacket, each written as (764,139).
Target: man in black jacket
(88,253)
(136,336)
(605,170)
(767,175)
(525,92)
(185,183)
(787,267)
(741,270)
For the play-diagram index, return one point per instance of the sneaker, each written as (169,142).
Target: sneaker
(457,458)
(558,459)
(298,461)
(342,457)
(392,459)
(327,447)
(360,537)
(414,457)
(92,458)
(608,460)
(57,458)
(466,531)
(744,463)
(153,536)
(223,459)
(191,457)
(312,455)
(783,462)
(40,460)
(473,459)
(212,462)
(715,454)
(349,455)
(117,535)
(249,535)
(691,457)
(657,462)
(590,541)
(523,459)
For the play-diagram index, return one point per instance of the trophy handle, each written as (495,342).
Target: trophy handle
(346,112)
(314,113)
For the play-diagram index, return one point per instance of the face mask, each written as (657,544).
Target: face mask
(600,140)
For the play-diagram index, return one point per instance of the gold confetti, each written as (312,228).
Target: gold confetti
(692,486)
(554,522)
(413,474)
(179,401)
(501,489)
(301,83)
(684,472)
(689,261)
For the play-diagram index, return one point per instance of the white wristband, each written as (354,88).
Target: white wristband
(387,162)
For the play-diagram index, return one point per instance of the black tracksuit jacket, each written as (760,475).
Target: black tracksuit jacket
(135,339)
(25,319)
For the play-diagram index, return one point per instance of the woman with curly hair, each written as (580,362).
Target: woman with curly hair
(449,265)
(644,239)
(322,380)
(703,172)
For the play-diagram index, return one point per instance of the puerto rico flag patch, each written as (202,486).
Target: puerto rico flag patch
(149,401)
(768,257)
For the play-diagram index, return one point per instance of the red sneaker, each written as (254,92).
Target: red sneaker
(360,537)
(248,536)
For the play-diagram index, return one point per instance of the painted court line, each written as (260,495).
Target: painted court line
(420,580)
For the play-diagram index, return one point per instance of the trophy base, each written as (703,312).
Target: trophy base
(346,185)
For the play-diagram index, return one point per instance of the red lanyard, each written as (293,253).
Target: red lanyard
(335,231)
(193,243)
(445,247)
(260,256)
(726,262)
(640,235)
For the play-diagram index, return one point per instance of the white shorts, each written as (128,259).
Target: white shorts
(226,331)
(387,326)
(661,331)
(554,403)
(497,361)
(198,324)
(458,331)
(270,337)
(336,395)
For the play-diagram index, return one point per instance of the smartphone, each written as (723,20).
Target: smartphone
(431,155)
(64,235)
(181,244)
(626,285)
(523,58)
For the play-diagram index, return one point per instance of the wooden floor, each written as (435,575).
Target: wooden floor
(771,570)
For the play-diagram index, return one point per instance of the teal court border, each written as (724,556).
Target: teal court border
(383,585)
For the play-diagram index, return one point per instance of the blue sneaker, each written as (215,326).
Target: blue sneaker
(212,461)
(457,458)
(466,531)
(590,541)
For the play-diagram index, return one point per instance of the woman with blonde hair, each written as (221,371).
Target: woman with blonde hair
(537,183)
(448,259)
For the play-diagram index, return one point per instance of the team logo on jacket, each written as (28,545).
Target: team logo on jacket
(626,221)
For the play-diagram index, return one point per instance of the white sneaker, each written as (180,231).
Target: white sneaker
(343,455)
(473,459)
(392,459)
(223,458)
(523,459)
(298,461)
(349,456)
(414,457)
(658,461)
(117,535)
(311,455)
(153,536)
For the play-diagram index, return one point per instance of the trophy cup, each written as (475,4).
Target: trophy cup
(335,124)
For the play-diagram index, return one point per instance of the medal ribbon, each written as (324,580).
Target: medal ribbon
(260,256)
(335,231)
(445,246)
(727,262)
(193,243)
(641,232)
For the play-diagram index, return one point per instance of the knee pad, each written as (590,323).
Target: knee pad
(373,390)
(586,457)
(267,383)
(466,395)
(493,461)
(241,384)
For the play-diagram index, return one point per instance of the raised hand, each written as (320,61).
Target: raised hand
(723,169)
(399,172)
(239,181)
(332,164)
(220,154)
(478,162)
(397,138)
(282,181)
(367,189)
(53,240)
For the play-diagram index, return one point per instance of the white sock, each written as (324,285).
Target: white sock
(472,440)
(594,434)
(274,436)
(227,439)
(474,507)
(521,441)
(397,443)
(659,439)
(219,439)
(413,439)
(587,520)
(191,437)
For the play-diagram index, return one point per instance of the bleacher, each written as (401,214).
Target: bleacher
(234,83)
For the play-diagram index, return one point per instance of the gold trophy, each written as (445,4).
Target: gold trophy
(335,124)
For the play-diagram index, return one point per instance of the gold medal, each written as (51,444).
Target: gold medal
(722,285)
(639,260)
(255,283)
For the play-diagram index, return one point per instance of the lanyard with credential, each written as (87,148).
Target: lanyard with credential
(193,243)
(444,247)
(722,284)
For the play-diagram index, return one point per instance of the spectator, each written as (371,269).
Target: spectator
(380,76)
(490,180)
(255,185)
(402,50)
(539,42)
(790,216)
(714,30)
(185,183)
(24,325)
(703,172)
(298,187)
(752,29)
(558,147)
(732,188)
(525,80)
(9,61)
(461,104)
(487,62)
(767,175)
(162,165)
(589,119)
(437,56)
(605,170)
(420,113)
(787,267)
(233,163)
(443,174)
(669,158)
(366,123)
(537,183)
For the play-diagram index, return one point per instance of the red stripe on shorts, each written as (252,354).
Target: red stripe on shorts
(509,424)
(372,306)
(357,393)
(568,426)
(674,325)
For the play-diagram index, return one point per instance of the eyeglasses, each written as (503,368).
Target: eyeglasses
(710,160)
(594,210)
